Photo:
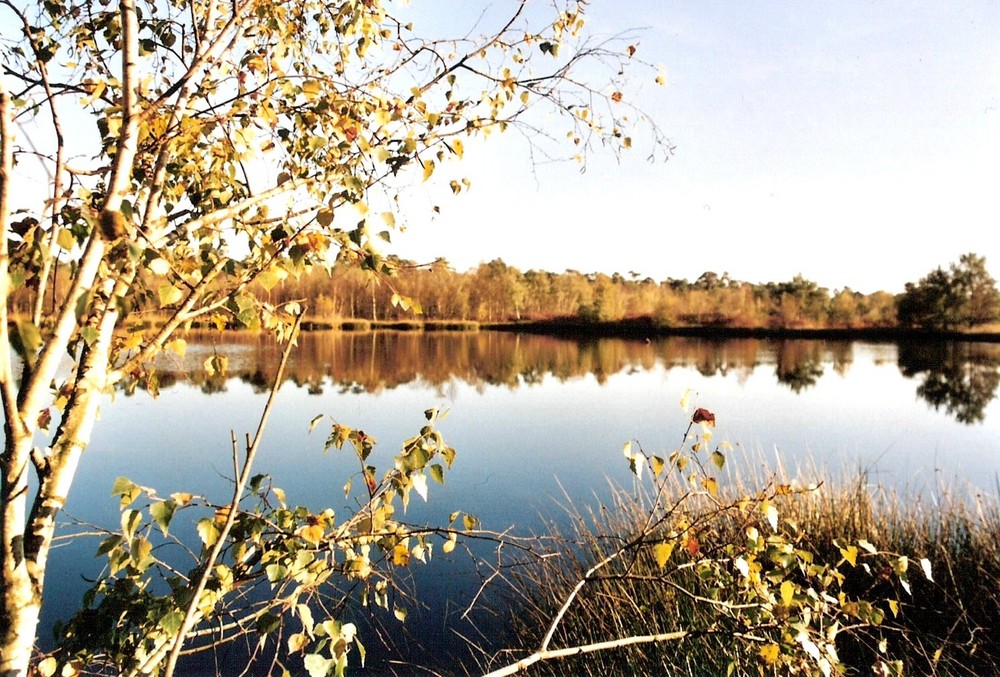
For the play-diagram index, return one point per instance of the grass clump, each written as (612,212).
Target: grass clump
(761,578)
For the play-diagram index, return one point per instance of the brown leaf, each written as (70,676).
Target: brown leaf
(703,416)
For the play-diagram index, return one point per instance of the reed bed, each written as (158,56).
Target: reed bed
(948,626)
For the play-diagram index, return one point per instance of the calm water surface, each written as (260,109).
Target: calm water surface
(534,417)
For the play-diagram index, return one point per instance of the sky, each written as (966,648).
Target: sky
(854,143)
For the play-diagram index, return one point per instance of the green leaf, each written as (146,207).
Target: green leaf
(169,295)
(437,473)
(171,622)
(208,531)
(141,551)
(130,521)
(718,459)
(65,239)
(162,512)
(268,623)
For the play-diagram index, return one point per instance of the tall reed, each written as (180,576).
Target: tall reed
(949,625)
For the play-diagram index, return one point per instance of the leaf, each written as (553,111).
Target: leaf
(208,531)
(162,512)
(428,169)
(313,423)
(159,266)
(662,552)
(685,399)
(771,514)
(658,465)
(125,488)
(469,522)
(312,533)
(178,346)
(718,459)
(742,566)
(769,653)
(65,239)
(400,613)
(47,667)
(324,217)
(925,565)
(787,592)
(692,545)
(171,622)
(437,473)
(400,555)
(169,295)
(850,553)
(318,666)
(297,642)
(868,547)
(711,485)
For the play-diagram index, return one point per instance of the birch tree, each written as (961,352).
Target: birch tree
(191,147)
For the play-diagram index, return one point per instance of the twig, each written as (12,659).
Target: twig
(241,482)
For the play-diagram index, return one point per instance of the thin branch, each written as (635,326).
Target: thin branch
(6,168)
(543,655)
(241,482)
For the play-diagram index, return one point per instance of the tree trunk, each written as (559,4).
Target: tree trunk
(27,538)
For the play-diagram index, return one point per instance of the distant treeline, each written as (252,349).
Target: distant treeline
(495,292)
(961,297)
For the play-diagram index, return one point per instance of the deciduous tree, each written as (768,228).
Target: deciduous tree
(216,144)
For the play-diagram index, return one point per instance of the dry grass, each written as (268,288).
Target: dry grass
(948,626)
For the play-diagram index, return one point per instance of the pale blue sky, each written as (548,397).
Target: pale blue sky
(856,143)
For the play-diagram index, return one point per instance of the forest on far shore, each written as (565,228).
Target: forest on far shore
(960,297)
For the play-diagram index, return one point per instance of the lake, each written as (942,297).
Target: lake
(537,419)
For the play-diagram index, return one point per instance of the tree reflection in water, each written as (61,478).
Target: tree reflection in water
(960,377)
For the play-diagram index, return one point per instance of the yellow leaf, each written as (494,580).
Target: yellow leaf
(400,555)
(658,464)
(894,607)
(428,169)
(47,667)
(133,341)
(662,552)
(458,148)
(711,485)
(850,553)
(787,592)
(769,653)
(177,346)
(310,89)
(312,533)
(685,399)
(297,642)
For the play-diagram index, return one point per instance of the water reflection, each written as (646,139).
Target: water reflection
(959,377)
